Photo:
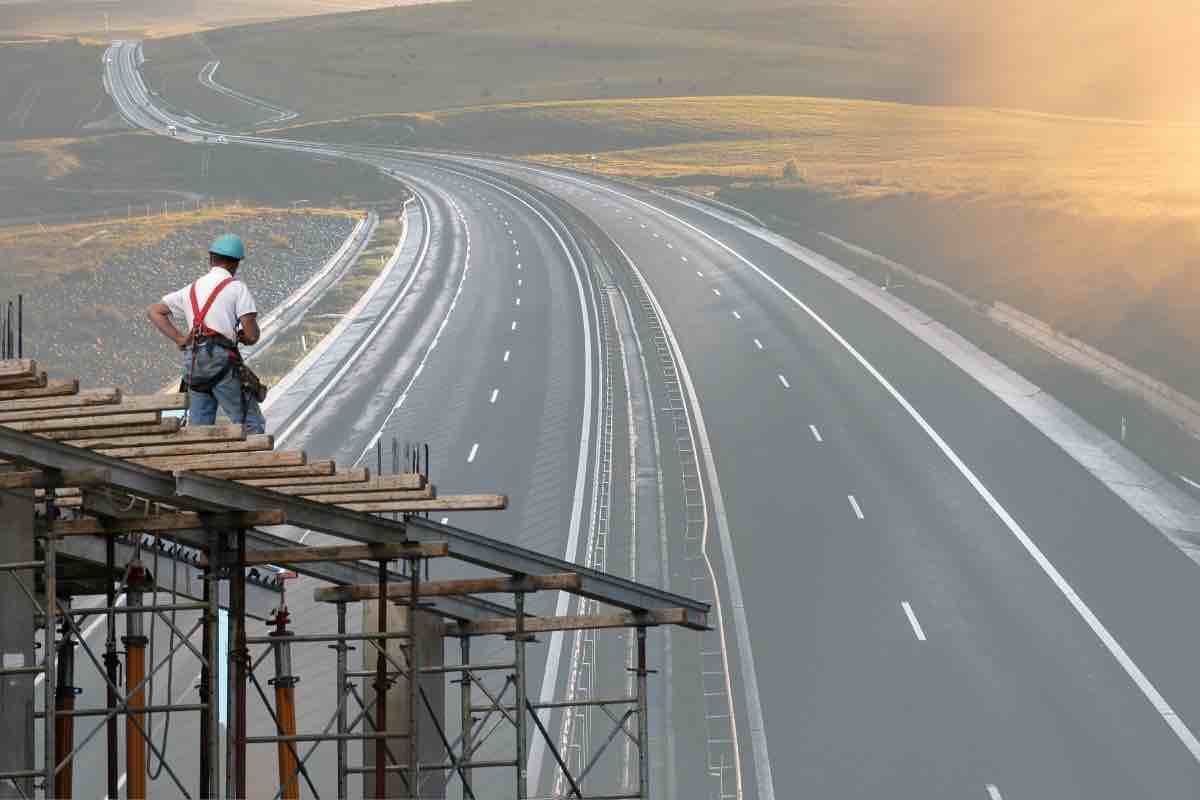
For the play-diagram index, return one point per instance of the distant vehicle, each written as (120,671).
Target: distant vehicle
(171,129)
(222,140)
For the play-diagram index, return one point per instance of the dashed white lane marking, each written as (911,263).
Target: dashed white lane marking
(736,315)
(717,292)
(518,265)
(699,273)
(854,504)
(816,433)
(518,301)
(685,258)
(656,236)
(758,344)
(507,353)
(445,520)
(643,224)
(920,634)
(993,792)
(514,241)
(785,383)
(514,325)
(474,450)
(495,394)
(670,246)
(519,282)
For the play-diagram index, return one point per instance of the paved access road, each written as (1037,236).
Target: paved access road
(921,596)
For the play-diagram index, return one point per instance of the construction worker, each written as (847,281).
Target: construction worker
(220,314)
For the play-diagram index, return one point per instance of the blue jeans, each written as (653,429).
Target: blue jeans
(210,359)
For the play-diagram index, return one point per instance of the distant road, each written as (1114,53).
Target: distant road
(276,114)
(921,596)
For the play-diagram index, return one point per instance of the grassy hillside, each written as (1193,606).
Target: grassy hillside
(852,148)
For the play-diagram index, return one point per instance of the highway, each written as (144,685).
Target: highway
(920,593)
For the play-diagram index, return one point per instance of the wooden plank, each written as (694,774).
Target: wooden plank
(335,481)
(325,467)
(563,581)
(84,423)
(249,444)
(92,397)
(460,502)
(18,368)
(376,496)
(13,384)
(50,389)
(508,626)
(162,523)
(50,479)
(386,483)
(129,405)
(358,552)
(163,426)
(283,458)
(191,433)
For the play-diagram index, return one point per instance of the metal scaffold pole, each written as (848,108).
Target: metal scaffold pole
(381,687)
(65,702)
(135,674)
(342,744)
(643,742)
(51,676)
(522,741)
(468,721)
(240,656)
(111,664)
(414,676)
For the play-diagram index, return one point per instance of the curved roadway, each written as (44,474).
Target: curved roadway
(921,595)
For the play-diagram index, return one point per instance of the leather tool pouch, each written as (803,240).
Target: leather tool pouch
(251,384)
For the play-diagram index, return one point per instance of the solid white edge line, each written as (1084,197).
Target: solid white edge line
(1106,638)
(854,505)
(474,451)
(912,620)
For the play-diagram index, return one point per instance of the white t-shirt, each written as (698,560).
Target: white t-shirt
(233,303)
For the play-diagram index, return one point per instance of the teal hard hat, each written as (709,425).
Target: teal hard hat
(229,246)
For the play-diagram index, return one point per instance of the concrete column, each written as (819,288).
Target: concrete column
(428,641)
(16,640)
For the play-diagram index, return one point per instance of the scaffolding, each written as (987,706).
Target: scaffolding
(100,505)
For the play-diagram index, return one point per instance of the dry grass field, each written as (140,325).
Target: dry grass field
(852,148)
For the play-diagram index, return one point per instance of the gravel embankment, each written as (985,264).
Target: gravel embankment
(93,324)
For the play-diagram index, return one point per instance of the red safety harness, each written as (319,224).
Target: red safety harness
(199,314)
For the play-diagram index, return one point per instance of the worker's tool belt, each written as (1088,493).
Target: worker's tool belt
(251,383)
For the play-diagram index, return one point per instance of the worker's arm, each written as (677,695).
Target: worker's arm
(249,333)
(160,316)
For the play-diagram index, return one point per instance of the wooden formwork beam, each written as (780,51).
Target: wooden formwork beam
(387,483)
(372,496)
(50,389)
(51,479)
(507,627)
(255,443)
(164,523)
(129,405)
(85,423)
(192,433)
(34,382)
(335,481)
(17,368)
(356,552)
(92,397)
(450,502)
(325,467)
(282,458)
(75,435)
(563,582)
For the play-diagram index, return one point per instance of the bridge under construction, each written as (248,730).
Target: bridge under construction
(102,495)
